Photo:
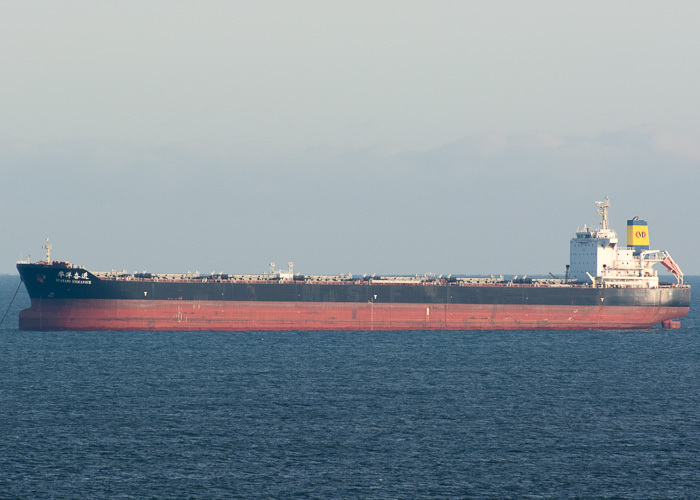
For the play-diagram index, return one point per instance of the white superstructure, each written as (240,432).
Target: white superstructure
(597,258)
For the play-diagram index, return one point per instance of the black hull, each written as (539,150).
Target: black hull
(42,282)
(73,299)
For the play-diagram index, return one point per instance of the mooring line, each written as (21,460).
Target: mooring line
(11,302)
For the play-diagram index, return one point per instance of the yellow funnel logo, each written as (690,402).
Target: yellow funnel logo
(637,234)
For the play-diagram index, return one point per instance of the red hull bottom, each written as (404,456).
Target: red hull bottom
(95,314)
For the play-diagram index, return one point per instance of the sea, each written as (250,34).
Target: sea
(409,414)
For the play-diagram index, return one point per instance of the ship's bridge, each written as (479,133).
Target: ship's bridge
(592,252)
(597,258)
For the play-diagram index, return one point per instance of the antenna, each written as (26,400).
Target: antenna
(603,210)
(47,247)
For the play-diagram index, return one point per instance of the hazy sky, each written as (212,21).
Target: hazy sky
(383,136)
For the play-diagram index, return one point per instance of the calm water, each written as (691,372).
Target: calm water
(348,415)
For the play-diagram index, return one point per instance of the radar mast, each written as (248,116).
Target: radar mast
(603,211)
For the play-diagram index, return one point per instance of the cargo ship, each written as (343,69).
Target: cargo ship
(606,286)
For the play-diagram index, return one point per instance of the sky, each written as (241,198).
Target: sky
(389,137)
